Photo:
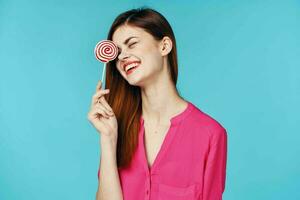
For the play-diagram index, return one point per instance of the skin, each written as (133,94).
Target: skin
(152,75)
(157,91)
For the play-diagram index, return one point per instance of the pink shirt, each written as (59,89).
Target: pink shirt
(190,165)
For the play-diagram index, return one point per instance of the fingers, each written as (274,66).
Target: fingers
(100,125)
(106,105)
(98,87)
(99,94)
(98,110)
(102,110)
(98,99)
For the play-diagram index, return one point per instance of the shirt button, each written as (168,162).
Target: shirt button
(147,192)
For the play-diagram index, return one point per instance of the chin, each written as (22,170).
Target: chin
(134,82)
(138,79)
(134,79)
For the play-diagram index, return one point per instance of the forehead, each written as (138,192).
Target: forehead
(125,31)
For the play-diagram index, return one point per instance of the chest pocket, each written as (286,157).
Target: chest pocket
(167,192)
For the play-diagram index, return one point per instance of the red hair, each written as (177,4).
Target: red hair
(124,98)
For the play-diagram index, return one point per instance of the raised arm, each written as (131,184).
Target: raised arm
(104,120)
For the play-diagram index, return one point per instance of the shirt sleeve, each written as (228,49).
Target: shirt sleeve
(215,167)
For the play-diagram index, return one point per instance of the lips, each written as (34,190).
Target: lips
(131,70)
(130,62)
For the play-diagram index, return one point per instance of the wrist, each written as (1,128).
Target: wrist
(108,140)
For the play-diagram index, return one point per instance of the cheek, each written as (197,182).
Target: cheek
(152,54)
(153,60)
(145,50)
(147,53)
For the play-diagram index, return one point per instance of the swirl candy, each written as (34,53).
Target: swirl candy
(106,51)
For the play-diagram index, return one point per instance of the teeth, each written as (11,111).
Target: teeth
(131,66)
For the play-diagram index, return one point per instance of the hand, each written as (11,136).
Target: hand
(101,114)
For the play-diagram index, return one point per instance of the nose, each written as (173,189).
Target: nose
(123,55)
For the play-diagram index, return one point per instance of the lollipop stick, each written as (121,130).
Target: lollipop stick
(103,72)
(105,51)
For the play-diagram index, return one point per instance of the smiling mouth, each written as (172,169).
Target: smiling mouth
(130,70)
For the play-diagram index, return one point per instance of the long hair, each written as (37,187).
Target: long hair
(124,98)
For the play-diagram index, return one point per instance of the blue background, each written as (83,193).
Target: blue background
(238,61)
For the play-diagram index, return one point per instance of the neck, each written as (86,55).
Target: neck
(161,101)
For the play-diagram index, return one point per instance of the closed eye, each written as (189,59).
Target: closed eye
(119,50)
(132,44)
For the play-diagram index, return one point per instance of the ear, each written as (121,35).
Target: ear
(165,46)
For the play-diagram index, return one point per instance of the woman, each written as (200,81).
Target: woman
(154,143)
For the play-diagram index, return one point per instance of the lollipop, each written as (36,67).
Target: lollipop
(105,51)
